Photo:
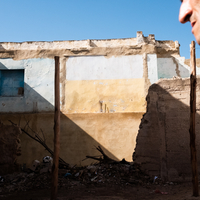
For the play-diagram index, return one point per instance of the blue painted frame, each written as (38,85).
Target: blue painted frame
(12,83)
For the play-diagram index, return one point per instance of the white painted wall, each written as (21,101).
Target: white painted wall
(123,67)
(39,76)
(169,67)
(101,68)
(38,86)
(152,68)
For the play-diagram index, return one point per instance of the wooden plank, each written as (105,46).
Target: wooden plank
(54,189)
(192,119)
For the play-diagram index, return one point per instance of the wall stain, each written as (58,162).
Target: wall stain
(63,74)
(145,73)
(177,67)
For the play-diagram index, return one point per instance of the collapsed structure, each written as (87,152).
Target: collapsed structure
(103,88)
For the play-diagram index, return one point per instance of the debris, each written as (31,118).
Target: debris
(35,165)
(1,179)
(44,170)
(77,174)
(93,178)
(101,173)
(67,175)
(155,179)
(38,138)
(159,192)
(104,158)
(47,164)
(47,159)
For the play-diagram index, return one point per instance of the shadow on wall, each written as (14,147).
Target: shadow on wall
(80,132)
(30,101)
(75,142)
(2,66)
(6,53)
(1,47)
(172,67)
(163,139)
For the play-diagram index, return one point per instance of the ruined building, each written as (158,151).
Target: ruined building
(103,89)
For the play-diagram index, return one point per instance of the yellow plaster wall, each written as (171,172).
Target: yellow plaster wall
(114,132)
(95,96)
(94,112)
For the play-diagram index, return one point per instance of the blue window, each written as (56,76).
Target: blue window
(11,83)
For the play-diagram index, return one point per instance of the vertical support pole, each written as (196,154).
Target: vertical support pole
(192,119)
(54,188)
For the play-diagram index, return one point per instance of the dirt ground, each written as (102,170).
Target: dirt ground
(100,181)
(109,192)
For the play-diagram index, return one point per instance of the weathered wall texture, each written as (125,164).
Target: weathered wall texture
(187,62)
(169,67)
(10,148)
(103,88)
(38,86)
(116,133)
(110,47)
(163,139)
(97,84)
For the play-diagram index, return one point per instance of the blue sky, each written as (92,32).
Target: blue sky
(49,20)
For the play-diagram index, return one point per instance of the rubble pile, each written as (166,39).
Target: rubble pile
(24,181)
(110,173)
(101,173)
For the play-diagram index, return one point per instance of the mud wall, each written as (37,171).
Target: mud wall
(10,148)
(163,139)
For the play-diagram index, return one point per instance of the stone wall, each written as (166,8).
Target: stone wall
(162,145)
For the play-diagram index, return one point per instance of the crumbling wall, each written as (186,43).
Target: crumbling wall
(109,47)
(162,145)
(10,148)
(103,85)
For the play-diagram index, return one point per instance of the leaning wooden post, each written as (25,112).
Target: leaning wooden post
(54,188)
(192,119)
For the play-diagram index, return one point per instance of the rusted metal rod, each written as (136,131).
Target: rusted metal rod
(54,189)
(192,119)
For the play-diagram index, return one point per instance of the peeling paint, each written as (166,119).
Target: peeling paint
(38,73)
(78,92)
(177,67)
(63,72)
(145,73)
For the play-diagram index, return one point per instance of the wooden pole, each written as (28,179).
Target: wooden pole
(54,188)
(192,119)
